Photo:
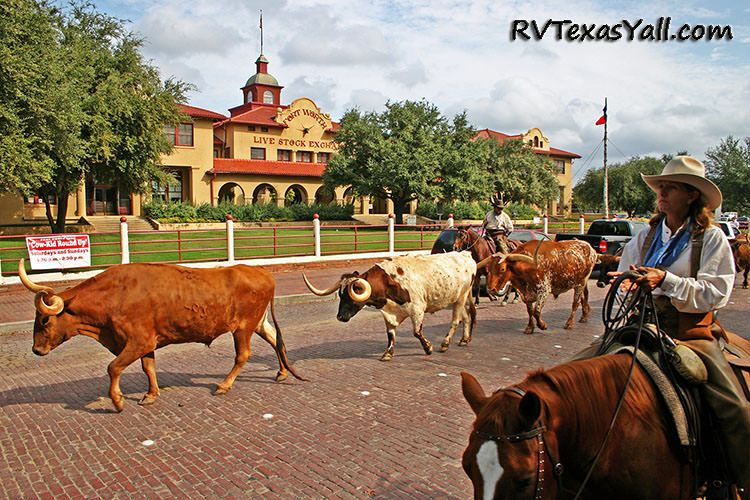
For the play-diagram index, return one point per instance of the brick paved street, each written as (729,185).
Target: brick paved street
(359,428)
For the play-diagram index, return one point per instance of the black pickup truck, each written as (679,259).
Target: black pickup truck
(607,236)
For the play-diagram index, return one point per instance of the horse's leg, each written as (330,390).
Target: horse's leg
(475,289)
(417,321)
(744,282)
(516,296)
(148,363)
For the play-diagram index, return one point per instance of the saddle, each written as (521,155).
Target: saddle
(677,373)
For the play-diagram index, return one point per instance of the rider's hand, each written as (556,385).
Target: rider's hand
(652,276)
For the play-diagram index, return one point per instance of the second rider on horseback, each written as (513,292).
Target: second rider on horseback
(498,225)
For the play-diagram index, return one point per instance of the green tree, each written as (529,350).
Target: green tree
(627,191)
(519,174)
(92,105)
(589,192)
(407,152)
(728,165)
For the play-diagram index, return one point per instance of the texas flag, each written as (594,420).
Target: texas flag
(603,119)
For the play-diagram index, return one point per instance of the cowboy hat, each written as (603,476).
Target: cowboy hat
(495,201)
(687,170)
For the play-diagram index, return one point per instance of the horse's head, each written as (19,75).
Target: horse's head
(505,458)
(463,240)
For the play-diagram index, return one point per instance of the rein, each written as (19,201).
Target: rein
(542,448)
(466,232)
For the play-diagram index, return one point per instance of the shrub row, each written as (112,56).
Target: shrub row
(186,212)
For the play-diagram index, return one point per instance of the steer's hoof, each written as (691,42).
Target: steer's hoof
(568,325)
(387,356)
(528,331)
(281,376)
(444,346)
(427,349)
(221,390)
(584,320)
(515,301)
(119,404)
(503,303)
(464,342)
(147,399)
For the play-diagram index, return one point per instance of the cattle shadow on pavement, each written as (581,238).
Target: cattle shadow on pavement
(81,394)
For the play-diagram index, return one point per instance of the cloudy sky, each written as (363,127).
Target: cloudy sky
(663,96)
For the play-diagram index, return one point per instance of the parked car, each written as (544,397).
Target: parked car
(730,230)
(607,236)
(743,222)
(528,235)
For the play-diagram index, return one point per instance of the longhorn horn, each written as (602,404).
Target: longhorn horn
(520,257)
(364,294)
(53,309)
(485,262)
(318,292)
(30,285)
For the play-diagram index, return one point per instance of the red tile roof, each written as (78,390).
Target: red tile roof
(267,167)
(500,137)
(194,112)
(257,116)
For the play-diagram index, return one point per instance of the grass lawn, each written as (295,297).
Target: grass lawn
(211,245)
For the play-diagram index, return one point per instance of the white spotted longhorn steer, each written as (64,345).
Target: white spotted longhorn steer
(540,268)
(409,286)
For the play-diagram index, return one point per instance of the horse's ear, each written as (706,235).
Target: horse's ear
(530,408)
(473,392)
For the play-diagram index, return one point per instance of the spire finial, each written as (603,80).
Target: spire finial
(261,31)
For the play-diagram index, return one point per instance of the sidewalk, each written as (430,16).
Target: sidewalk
(17,304)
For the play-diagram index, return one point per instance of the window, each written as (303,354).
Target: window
(171,193)
(251,128)
(181,135)
(561,200)
(304,156)
(257,153)
(284,155)
(560,166)
(541,144)
(268,97)
(264,129)
(324,157)
(250,96)
(536,141)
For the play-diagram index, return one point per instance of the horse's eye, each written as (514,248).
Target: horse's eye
(44,320)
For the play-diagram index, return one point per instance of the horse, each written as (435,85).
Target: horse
(741,253)
(538,439)
(481,248)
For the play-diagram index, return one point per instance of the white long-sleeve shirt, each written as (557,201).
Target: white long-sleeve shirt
(493,221)
(715,278)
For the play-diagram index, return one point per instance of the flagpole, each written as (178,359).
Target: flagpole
(261,31)
(606,171)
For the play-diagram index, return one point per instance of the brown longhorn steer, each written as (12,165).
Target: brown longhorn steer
(540,268)
(134,309)
(741,251)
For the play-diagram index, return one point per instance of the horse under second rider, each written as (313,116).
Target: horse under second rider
(498,225)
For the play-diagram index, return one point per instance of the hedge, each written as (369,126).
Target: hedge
(186,212)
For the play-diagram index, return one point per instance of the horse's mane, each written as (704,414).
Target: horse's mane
(584,392)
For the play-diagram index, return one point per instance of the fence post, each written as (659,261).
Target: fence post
(316,233)
(124,244)
(450,220)
(391,233)
(581,224)
(546,224)
(230,238)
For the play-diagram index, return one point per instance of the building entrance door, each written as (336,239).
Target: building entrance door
(105,200)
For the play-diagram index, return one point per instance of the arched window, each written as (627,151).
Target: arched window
(232,194)
(324,196)
(536,141)
(295,195)
(268,97)
(264,193)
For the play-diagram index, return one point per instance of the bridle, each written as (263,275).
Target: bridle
(542,448)
(466,233)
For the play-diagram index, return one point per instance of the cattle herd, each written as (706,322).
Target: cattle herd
(198,305)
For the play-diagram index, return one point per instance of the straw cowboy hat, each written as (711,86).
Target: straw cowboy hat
(687,170)
(495,201)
